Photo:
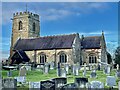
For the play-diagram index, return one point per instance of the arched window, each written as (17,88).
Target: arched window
(20,25)
(92,59)
(42,58)
(63,58)
(33,26)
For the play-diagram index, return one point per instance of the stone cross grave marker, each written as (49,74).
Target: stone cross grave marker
(63,72)
(96,84)
(81,82)
(49,85)
(9,83)
(34,85)
(111,81)
(22,71)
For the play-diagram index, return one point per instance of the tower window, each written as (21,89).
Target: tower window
(33,26)
(20,25)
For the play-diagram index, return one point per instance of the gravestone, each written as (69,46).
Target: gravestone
(58,70)
(84,71)
(117,66)
(98,66)
(63,72)
(107,69)
(111,81)
(22,71)
(119,85)
(34,85)
(9,73)
(67,68)
(118,73)
(93,74)
(50,85)
(75,70)
(96,84)
(0,83)
(46,68)
(9,83)
(81,82)
(59,82)
(21,79)
(28,67)
(52,65)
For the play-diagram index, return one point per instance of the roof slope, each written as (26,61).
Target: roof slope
(45,43)
(91,42)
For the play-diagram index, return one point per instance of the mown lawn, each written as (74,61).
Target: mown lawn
(38,76)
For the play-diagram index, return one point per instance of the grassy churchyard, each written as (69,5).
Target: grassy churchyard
(34,76)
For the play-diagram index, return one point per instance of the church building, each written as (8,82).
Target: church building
(66,48)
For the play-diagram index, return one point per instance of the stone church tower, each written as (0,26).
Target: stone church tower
(25,25)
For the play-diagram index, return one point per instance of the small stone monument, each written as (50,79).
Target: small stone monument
(84,71)
(22,71)
(111,81)
(96,84)
(119,85)
(117,66)
(46,68)
(63,73)
(67,68)
(34,85)
(93,74)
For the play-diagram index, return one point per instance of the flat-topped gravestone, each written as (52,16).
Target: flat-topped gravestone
(81,82)
(59,82)
(9,83)
(34,85)
(111,81)
(22,71)
(47,85)
(96,84)
(21,79)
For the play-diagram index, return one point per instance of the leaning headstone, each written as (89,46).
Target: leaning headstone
(111,81)
(81,82)
(59,82)
(93,74)
(9,83)
(22,71)
(34,85)
(63,73)
(46,68)
(49,85)
(96,84)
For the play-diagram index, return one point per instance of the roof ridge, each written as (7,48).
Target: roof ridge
(91,36)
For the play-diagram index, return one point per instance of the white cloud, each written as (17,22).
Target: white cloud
(49,11)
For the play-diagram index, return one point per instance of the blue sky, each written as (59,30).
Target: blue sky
(84,18)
